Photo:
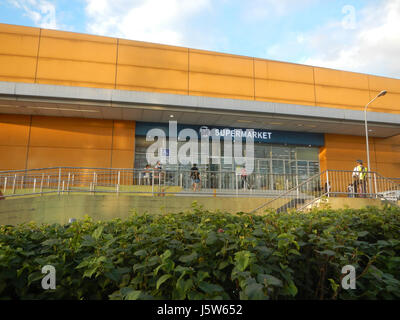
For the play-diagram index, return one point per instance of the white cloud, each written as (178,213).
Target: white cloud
(373,46)
(147,20)
(256,10)
(41,12)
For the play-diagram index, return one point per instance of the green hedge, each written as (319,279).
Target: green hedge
(205,255)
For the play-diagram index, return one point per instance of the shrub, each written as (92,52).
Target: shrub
(207,255)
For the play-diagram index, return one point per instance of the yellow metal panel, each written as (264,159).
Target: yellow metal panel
(150,45)
(145,89)
(71,133)
(219,85)
(155,79)
(261,69)
(10,28)
(381,83)
(14,131)
(391,140)
(14,68)
(76,73)
(77,36)
(124,135)
(285,91)
(389,170)
(290,72)
(122,158)
(153,57)
(70,49)
(220,64)
(15,159)
(40,157)
(18,44)
(388,153)
(341,96)
(336,78)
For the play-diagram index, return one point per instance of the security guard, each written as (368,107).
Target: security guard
(359,177)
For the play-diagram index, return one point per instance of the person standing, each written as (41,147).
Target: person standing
(243,177)
(158,175)
(147,175)
(195,176)
(359,177)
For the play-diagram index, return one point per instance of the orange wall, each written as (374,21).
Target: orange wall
(56,57)
(36,55)
(341,152)
(38,141)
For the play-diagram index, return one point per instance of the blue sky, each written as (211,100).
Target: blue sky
(353,35)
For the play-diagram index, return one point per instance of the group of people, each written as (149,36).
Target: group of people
(148,177)
(148,174)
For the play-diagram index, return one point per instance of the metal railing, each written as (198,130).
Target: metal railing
(283,191)
(66,180)
(335,183)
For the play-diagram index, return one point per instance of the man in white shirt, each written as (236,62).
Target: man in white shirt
(359,177)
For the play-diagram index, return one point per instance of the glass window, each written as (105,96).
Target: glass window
(304,153)
(280,152)
(276,159)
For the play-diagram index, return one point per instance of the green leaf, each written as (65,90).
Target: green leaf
(140,253)
(223,264)
(51,242)
(362,233)
(269,280)
(292,288)
(211,238)
(133,295)
(162,279)
(209,287)
(189,258)
(242,259)
(166,254)
(97,233)
(184,285)
(254,291)
(88,273)
(88,241)
(293,251)
(201,275)
(328,252)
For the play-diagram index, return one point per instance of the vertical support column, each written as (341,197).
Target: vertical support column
(41,184)
(34,185)
(69,180)
(59,180)
(15,181)
(237,186)
(94,181)
(327,183)
(5,185)
(118,181)
(152,182)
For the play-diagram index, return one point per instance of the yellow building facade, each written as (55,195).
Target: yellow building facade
(48,57)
